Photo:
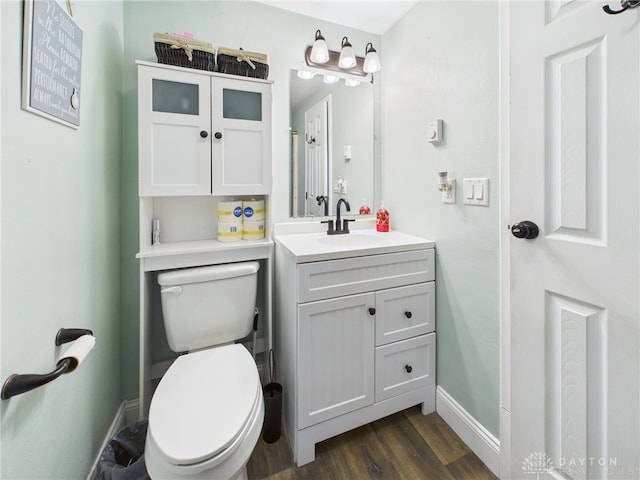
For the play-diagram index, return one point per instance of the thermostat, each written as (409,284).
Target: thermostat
(434,131)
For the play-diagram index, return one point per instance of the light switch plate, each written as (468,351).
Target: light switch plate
(475,191)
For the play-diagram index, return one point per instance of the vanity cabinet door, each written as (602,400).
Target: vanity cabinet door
(241,137)
(335,357)
(174,124)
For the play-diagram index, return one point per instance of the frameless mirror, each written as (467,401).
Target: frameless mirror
(332,145)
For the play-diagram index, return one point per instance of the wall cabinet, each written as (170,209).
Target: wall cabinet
(202,133)
(355,339)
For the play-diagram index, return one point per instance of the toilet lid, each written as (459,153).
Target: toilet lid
(203,402)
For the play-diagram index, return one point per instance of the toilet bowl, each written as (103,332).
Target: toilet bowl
(206,414)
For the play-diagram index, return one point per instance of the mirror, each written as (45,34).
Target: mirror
(332,151)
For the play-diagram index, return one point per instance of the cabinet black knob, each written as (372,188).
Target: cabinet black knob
(526,229)
(407,314)
(204,133)
(372,311)
(408,368)
(218,135)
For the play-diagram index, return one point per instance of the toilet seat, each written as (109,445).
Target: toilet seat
(203,404)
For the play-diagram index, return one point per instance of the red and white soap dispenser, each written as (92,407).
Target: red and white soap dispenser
(382,219)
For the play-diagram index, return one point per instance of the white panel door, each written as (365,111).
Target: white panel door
(241,137)
(174,123)
(335,357)
(575,291)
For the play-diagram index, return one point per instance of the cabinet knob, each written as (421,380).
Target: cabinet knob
(218,135)
(204,133)
(407,314)
(408,368)
(372,311)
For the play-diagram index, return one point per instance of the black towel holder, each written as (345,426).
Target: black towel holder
(16,384)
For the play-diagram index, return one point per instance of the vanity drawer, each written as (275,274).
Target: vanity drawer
(337,278)
(405,312)
(404,366)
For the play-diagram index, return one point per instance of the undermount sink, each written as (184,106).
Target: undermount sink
(353,238)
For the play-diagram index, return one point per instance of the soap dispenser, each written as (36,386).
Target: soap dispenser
(382,219)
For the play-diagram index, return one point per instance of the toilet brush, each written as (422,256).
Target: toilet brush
(256,314)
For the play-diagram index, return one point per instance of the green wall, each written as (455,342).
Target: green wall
(441,61)
(60,252)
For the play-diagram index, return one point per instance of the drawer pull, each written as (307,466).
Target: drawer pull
(407,314)
(372,311)
(408,368)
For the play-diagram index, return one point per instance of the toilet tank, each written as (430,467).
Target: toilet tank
(207,306)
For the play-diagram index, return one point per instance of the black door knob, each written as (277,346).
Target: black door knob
(204,133)
(218,135)
(526,229)
(372,311)
(408,368)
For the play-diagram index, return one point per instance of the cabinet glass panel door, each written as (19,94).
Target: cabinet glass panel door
(241,105)
(175,97)
(174,125)
(241,144)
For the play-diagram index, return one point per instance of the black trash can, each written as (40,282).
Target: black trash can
(272,406)
(123,457)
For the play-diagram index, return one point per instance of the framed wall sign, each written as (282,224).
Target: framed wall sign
(51,62)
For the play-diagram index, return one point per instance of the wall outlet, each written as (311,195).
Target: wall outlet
(450,195)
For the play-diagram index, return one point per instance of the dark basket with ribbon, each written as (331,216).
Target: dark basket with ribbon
(243,63)
(184,51)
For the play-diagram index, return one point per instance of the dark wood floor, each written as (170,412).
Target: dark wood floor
(406,445)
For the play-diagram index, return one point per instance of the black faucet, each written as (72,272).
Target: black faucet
(323,199)
(340,227)
(344,227)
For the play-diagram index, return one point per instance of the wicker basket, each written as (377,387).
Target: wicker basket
(240,62)
(184,52)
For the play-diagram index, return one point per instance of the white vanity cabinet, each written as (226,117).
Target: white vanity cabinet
(355,340)
(202,133)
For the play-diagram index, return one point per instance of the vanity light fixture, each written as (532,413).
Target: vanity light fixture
(347,55)
(320,50)
(319,56)
(371,59)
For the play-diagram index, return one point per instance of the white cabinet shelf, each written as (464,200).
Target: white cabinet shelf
(202,252)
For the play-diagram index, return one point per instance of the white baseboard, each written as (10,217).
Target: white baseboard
(478,439)
(127,413)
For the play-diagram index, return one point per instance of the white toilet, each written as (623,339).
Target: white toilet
(207,412)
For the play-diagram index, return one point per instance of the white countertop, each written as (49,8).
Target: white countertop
(318,246)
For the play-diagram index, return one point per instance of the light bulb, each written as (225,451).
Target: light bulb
(371,60)
(347,55)
(351,82)
(330,78)
(320,50)
(306,74)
